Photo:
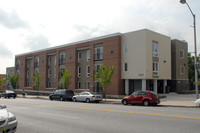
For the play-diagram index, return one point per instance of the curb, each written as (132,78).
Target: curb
(111,101)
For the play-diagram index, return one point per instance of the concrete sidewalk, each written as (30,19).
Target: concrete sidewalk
(172,100)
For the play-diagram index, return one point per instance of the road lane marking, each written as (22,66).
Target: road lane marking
(105,110)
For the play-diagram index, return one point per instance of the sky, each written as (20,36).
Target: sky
(29,25)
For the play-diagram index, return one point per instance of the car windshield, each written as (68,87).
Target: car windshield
(153,93)
(134,94)
(9,91)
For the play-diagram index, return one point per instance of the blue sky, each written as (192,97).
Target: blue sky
(28,25)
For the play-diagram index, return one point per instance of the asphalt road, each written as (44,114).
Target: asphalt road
(44,116)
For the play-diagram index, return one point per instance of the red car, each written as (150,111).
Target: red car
(142,97)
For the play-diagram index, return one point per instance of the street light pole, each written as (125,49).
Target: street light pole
(195,49)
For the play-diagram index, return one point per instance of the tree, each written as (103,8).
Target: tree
(1,82)
(191,71)
(37,81)
(65,79)
(14,80)
(104,76)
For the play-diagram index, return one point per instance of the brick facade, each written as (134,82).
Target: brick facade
(111,56)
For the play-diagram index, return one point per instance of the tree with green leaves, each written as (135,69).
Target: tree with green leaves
(104,77)
(37,81)
(1,82)
(191,71)
(65,79)
(14,80)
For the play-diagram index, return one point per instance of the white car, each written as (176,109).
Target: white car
(197,102)
(8,122)
(87,97)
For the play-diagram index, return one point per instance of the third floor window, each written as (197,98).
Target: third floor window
(36,62)
(62,58)
(98,53)
(155,49)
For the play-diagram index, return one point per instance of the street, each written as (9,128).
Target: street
(45,116)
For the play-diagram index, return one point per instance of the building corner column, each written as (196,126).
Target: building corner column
(155,86)
(126,87)
(144,84)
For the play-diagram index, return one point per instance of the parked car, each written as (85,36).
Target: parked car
(197,102)
(142,97)
(62,95)
(8,121)
(87,97)
(8,94)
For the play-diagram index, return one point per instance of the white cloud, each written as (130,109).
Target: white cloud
(35,24)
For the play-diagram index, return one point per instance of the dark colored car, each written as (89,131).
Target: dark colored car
(8,94)
(62,95)
(142,97)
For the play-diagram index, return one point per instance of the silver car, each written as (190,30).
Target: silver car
(87,97)
(8,122)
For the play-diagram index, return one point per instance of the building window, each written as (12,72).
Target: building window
(79,56)
(49,73)
(155,68)
(181,54)
(87,85)
(36,62)
(97,87)
(88,55)
(182,69)
(155,49)
(28,74)
(17,64)
(79,71)
(62,58)
(50,61)
(88,71)
(54,72)
(60,72)
(125,49)
(96,68)
(98,53)
(49,84)
(79,85)
(125,67)
(54,85)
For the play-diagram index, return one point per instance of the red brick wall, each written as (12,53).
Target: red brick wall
(111,56)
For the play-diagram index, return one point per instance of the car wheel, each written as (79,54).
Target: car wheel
(74,99)
(146,103)
(125,102)
(61,99)
(50,98)
(87,100)
(155,104)
(14,97)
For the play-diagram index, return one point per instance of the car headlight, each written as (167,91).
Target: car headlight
(13,118)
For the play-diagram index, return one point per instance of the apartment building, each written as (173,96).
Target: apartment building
(179,82)
(141,59)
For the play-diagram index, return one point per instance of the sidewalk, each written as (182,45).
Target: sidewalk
(172,100)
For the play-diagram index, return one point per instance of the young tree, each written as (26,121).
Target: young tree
(1,82)
(65,79)
(104,76)
(14,80)
(37,81)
